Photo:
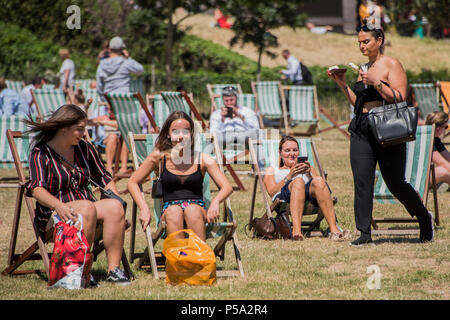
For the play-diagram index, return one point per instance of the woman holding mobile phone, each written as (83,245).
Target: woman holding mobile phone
(296,181)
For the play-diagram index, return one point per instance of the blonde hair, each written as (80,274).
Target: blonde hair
(64,53)
(439,118)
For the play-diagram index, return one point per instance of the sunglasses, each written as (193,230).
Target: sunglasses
(229,90)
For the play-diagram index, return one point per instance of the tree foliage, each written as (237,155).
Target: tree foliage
(255,19)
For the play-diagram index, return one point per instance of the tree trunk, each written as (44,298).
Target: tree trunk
(258,69)
(169,45)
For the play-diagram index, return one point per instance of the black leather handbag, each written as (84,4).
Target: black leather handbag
(393,123)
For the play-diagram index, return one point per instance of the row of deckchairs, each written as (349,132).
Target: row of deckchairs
(419,172)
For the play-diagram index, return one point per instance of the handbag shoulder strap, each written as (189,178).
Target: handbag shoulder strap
(393,91)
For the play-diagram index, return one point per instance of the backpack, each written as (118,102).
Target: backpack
(306,74)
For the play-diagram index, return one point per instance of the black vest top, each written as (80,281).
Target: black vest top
(181,187)
(359,125)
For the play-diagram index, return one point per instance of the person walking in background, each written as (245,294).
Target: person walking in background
(296,71)
(67,71)
(11,103)
(371,91)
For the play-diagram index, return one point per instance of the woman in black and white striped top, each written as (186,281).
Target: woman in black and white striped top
(60,162)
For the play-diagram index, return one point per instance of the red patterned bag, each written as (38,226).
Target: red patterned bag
(71,261)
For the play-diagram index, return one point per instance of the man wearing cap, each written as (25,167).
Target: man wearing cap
(232,123)
(113,75)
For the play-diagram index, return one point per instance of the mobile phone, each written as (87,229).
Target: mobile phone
(229,112)
(302,159)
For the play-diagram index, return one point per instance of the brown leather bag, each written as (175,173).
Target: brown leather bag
(272,228)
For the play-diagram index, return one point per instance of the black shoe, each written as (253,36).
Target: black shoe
(363,240)
(426,228)
(118,277)
(93,283)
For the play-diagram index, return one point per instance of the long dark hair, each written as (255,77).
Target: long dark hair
(163,142)
(64,117)
(280,146)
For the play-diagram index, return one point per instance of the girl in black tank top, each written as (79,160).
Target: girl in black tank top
(182,190)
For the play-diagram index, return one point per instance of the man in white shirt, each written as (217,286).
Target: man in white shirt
(233,124)
(293,71)
(67,71)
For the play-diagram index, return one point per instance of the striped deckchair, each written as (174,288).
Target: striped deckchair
(303,107)
(15,85)
(126,108)
(271,156)
(16,260)
(137,85)
(445,95)
(84,84)
(223,230)
(427,98)
(161,110)
(47,101)
(14,123)
(271,102)
(215,93)
(419,173)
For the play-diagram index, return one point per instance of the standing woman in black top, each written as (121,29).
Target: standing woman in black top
(60,162)
(365,152)
(182,175)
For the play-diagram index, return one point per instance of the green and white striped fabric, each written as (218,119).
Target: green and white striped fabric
(126,108)
(175,102)
(137,85)
(246,100)
(427,97)
(14,85)
(301,104)
(212,230)
(84,84)
(271,155)
(95,105)
(48,100)
(15,123)
(269,99)
(218,90)
(161,110)
(418,161)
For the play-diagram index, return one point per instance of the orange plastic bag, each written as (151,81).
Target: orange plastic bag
(189,261)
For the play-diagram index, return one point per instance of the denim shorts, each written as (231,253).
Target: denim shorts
(285,193)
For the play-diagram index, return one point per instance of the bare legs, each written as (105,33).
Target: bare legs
(111,143)
(193,215)
(110,213)
(319,190)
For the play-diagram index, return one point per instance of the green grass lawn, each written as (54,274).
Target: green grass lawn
(312,269)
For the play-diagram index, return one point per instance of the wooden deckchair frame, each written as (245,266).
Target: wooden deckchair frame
(430,178)
(284,117)
(156,259)
(16,260)
(313,127)
(312,227)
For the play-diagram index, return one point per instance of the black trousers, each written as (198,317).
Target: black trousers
(365,153)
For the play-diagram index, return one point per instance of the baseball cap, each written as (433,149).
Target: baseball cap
(116,43)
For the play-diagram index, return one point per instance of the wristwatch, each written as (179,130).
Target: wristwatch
(286,180)
(379,86)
